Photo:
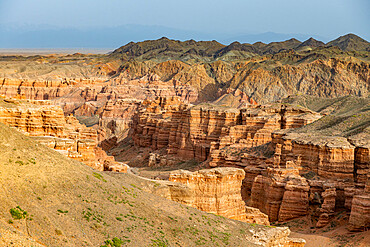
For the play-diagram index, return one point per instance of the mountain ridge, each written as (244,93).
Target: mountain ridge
(175,49)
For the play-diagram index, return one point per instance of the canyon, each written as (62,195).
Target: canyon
(264,134)
(306,171)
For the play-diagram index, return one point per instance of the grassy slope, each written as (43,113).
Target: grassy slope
(95,206)
(346,116)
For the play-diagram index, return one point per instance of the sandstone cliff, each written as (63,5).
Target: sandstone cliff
(215,191)
(47,124)
(304,170)
(203,131)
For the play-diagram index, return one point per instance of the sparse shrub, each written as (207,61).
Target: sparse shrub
(18,213)
(32,160)
(62,212)
(115,242)
(19,162)
(99,176)
(133,185)
(159,242)
(201,241)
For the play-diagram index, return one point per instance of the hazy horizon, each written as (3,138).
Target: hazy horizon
(113,23)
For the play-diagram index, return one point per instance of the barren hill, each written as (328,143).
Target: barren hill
(165,49)
(201,70)
(350,42)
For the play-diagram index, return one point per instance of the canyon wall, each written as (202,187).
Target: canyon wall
(47,124)
(336,169)
(288,174)
(282,194)
(215,191)
(203,131)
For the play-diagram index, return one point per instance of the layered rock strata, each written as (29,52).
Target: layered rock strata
(48,125)
(109,103)
(326,156)
(327,207)
(217,191)
(336,168)
(360,213)
(301,175)
(282,194)
(214,188)
(360,210)
(204,131)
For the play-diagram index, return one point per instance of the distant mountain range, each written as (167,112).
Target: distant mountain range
(111,37)
(166,49)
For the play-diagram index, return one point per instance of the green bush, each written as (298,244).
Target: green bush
(18,213)
(115,242)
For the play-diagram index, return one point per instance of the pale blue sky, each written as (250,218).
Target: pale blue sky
(325,18)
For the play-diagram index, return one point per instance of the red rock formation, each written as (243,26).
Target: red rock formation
(282,194)
(362,156)
(203,131)
(34,89)
(295,200)
(327,207)
(216,191)
(116,117)
(48,125)
(226,137)
(254,215)
(360,210)
(115,100)
(324,155)
(360,213)
(337,169)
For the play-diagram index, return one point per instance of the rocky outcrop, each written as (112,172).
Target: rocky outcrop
(254,215)
(360,210)
(116,118)
(336,168)
(278,236)
(308,173)
(327,207)
(34,119)
(113,101)
(34,89)
(255,129)
(361,156)
(326,156)
(204,130)
(360,213)
(48,125)
(282,194)
(215,191)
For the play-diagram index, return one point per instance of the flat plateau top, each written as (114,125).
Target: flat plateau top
(45,51)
